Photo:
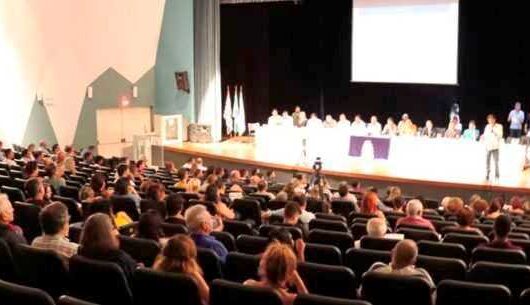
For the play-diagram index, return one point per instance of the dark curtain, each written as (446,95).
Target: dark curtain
(288,54)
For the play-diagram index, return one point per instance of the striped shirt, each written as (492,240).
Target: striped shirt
(61,245)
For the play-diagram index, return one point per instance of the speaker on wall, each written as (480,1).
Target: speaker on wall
(182,81)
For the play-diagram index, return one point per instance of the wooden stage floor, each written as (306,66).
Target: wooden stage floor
(242,150)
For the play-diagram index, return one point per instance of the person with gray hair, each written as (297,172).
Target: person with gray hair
(404,257)
(10,233)
(201,224)
(54,221)
(415,216)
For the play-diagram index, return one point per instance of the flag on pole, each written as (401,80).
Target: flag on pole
(227,114)
(242,120)
(235,112)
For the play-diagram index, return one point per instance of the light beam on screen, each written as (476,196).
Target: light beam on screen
(405,41)
(13,92)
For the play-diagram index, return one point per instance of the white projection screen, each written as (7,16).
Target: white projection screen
(405,41)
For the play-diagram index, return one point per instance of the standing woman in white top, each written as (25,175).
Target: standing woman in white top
(492,139)
(516,120)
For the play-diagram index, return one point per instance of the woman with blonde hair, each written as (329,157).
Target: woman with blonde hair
(180,256)
(194,185)
(277,270)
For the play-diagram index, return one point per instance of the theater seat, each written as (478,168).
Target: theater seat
(525,297)
(240,267)
(418,235)
(392,289)
(229,293)
(14,193)
(483,254)
(330,225)
(171,229)
(342,207)
(7,264)
(236,228)
(66,300)
(27,217)
(100,282)
(311,299)
(163,288)
(515,277)
(330,217)
(358,230)
(322,254)
(296,232)
(450,292)
(377,243)
(69,192)
(13,294)
(438,249)
(124,204)
(441,268)
(326,280)
(226,239)
(142,250)
(248,210)
(360,260)
(42,269)
(468,241)
(341,240)
(251,244)
(210,263)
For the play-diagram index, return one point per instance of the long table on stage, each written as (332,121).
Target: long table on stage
(455,160)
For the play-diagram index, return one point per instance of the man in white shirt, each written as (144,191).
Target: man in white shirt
(287,120)
(314,121)
(343,121)
(516,120)
(358,126)
(275,119)
(492,139)
(374,127)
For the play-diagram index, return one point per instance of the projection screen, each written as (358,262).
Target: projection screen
(405,41)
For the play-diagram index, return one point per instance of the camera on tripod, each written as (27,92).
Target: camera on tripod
(317,166)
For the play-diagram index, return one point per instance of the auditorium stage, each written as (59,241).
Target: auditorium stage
(241,152)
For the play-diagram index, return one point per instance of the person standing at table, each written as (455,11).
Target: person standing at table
(492,139)
(374,127)
(330,122)
(275,119)
(516,120)
(287,120)
(343,121)
(358,126)
(314,121)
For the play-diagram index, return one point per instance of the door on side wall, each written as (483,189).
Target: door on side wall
(116,128)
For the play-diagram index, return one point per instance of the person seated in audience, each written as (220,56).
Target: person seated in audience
(86,194)
(415,216)
(495,208)
(329,122)
(210,180)
(343,194)
(452,206)
(10,157)
(156,194)
(428,130)
(69,161)
(262,190)
(471,133)
(275,119)
(300,182)
(99,162)
(277,269)
(194,186)
(378,228)
(150,227)
(287,120)
(397,204)
(480,207)
(390,129)
(254,180)
(123,189)
(175,206)
(301,200)
(38,157)
(135,175)
(183,178)
(89,149)
(369,205)
(55,149)
(291,218)
(170,167)
(141,166)
(179,255)
(343,121)
(374,127)
(270,176)
(391,193)
(200,224)
(88,158)
(123,171)
(404,257)
(98,183)
(200,164)
(9,232)
(2,155)
(43,147)
(358,126)
(314,121)
(501,229)
(189,164)
(27,156)
(236,181)
(212,195)
(36,192)
(465,218)
(526,207)
(55,177)
(54,221)
(31,170)
(99,241)
(283,236)
(516,206)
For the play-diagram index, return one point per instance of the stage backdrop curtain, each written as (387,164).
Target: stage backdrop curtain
(207,50)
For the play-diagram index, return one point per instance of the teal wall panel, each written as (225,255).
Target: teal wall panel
(39,126)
